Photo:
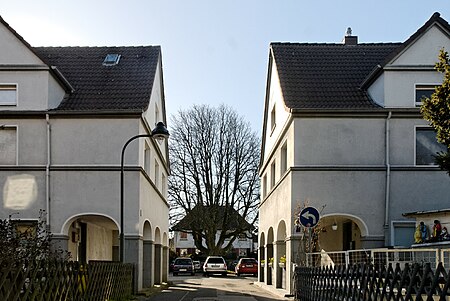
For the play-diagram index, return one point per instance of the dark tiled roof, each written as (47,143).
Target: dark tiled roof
(125,86)
(327,76)
(202,216)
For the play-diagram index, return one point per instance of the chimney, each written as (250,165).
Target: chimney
(349,39)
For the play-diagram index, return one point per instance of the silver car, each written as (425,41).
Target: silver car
(215,265)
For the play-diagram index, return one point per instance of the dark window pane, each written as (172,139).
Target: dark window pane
(427,146)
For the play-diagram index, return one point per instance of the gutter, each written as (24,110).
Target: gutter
(388,171)
(47,174)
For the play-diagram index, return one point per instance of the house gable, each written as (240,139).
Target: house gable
(411,66)
(14,50)
(424,51)
(276,113)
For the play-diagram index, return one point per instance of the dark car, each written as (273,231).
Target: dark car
(247,266)
(183,265)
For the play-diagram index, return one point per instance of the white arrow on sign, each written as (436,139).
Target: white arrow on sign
(308,215)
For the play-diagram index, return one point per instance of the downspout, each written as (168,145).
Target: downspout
(47,175)
(388,173)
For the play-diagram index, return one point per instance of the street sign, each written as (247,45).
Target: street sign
(309,217)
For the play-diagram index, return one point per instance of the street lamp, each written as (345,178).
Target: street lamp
(160,132)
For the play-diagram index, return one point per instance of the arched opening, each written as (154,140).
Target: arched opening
(147,253)
(165,259)
(92,237)
(269,256)
(280,260)
(158,257)
(340,232)
(262,257)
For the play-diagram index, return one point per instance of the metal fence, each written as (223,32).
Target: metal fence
(372,282)
(380,257)
(61,280)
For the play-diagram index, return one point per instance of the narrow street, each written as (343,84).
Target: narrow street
(215,288)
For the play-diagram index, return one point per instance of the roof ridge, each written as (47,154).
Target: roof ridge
(333,44)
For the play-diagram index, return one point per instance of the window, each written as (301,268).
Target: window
(272,175)
(111,59)
(183,236)
(272,118)
(147,155)
(283,158)
(423,91)
(25,231)
(242,236)
(156,173)
(8,94)
(163,184)
(264,186)
(427,146)
(8,145)
(156,114)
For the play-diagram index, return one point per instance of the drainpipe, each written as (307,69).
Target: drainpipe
(47,175)
(388,173)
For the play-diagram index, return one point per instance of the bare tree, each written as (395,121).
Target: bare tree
(214,183)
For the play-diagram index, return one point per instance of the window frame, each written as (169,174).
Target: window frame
(273,118)
(283,155)
(427,128)
(273,170)
(423,86)
(183,235)
(16,101)
(7,127)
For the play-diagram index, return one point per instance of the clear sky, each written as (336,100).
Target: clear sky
(215,51)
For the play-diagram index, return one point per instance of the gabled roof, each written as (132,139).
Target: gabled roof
(334,76)
(125,86)
(327,76)
(200,213)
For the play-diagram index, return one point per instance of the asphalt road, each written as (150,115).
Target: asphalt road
(213,288)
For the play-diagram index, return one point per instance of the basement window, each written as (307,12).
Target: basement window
(111,59)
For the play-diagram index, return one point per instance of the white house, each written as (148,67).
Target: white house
(343,132)
(183,239)
(65,114)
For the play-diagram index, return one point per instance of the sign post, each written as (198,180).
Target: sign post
(309,217)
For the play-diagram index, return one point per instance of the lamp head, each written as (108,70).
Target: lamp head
(160,132)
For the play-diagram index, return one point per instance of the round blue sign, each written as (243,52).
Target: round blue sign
(309,217)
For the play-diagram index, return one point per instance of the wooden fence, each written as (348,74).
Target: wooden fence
(61,280)
(369,283)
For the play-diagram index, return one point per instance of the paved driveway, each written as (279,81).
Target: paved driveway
(215,288)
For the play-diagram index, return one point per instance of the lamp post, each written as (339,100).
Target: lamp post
(160,132)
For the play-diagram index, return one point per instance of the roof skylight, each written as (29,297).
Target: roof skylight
(111,59)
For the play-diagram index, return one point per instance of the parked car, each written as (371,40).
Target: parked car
(183,265)
(197,265)
(215,265)
(247,266)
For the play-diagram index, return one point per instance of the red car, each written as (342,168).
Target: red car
(247,266)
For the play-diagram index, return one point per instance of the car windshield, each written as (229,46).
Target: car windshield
(248,261)
(183,261)
(215,260)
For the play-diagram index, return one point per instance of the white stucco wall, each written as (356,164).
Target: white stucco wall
(275,100)
(339,141)
(425,50)
(13,51)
